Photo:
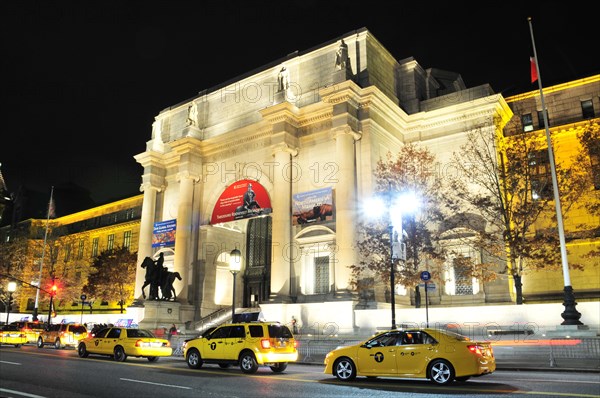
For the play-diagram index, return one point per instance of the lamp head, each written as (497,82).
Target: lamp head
(235,260)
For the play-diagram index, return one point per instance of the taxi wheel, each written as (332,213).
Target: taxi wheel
(193,359)
(248,362)
(344,369)
(440,372)
(119,354)
(82,351)
(152,359)
(279,367)
(57,344)
(40,343)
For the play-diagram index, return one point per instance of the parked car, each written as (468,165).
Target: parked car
(438,355)
(121,342)
(247,345)
(11,334)
(32,329)
(62,335)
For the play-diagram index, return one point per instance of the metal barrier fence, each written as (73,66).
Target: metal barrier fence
(315,350)
(564,354)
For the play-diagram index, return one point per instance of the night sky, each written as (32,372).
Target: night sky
(83,81)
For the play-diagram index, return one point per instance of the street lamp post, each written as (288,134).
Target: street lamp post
(235,265)
(12,286)
(392,275)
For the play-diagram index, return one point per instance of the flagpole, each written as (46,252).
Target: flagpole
(571,315)
(37,293)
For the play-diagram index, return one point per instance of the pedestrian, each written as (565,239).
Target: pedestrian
(172,331)
(294,325)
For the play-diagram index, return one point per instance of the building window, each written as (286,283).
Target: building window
(539,169)
(68,249)
(462,281)
(80,249)
(110,242)
(540,116)
(587,109)
(259,242)
(127,239)
(322,274)
(527,121)
(95,247)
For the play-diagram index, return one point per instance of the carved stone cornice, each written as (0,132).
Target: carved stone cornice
(283,112)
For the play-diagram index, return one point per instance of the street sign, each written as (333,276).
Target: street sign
(428,285)
(425,276)
(83,297)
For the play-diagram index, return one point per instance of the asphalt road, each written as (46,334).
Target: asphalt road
(35,373)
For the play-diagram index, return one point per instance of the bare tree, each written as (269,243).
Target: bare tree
(410,170)
(507,180)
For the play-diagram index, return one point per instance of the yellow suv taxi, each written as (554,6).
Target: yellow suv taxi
(32,329)
(247,345)
(62,335)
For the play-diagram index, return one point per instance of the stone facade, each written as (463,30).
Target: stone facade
(326,127)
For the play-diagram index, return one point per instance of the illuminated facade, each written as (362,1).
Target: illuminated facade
(277,164)
(572,109)
(72,242)
(308,130)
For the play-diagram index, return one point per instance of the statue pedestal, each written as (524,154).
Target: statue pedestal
(192,131)
(160,314)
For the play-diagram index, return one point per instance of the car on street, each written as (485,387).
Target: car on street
(439,355)
(248,345)
(62,335)
(12,335)
(32,329)
(121,342)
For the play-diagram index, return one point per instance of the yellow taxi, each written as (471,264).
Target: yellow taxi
(121,342)
(247,345)
(31,329)
(11,334)
(439,355)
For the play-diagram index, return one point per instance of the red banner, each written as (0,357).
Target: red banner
(242,199)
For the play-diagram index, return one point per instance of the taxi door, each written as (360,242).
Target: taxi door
(233,343)
(412,355)
(107,344)
(378,357)
(214,348)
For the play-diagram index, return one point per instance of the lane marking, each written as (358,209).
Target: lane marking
(11,363)
(155,384)
(24,394)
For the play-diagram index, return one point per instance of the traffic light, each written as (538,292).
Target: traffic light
(53,290)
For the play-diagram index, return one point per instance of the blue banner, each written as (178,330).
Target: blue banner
(164,233)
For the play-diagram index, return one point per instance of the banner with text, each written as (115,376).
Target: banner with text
(242,199)
(164,233)
(312,206)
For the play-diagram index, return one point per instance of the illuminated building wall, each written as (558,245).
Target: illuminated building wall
(572,108)
(73,240)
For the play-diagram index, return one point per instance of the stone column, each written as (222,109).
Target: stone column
(345,206)
(146,229)
(281,218)
(183,233)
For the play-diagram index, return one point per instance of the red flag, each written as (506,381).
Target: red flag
(534,75)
